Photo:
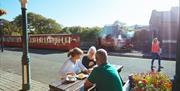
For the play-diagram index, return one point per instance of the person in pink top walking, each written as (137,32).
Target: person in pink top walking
(156,50)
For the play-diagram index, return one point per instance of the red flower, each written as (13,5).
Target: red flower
(139,89)
(144,81)
(155,85)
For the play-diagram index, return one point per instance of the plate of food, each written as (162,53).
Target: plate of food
(81,76)
(70,78)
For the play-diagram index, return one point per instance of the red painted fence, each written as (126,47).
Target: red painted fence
(45,41)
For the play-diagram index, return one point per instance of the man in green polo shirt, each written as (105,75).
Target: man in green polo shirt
(105,76)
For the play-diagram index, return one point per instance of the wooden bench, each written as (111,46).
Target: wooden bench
(59,85)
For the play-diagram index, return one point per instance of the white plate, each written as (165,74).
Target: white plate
(71,78)
(84,76)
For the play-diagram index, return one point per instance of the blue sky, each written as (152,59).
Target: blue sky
(90,12)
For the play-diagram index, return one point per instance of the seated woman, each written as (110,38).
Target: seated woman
(73,65)
(89,60)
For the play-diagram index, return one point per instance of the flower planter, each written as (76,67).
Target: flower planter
(151,81)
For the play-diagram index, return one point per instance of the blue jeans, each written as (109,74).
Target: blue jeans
(156,56)
(82,88)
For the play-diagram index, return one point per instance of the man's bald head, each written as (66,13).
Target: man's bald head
(101,56)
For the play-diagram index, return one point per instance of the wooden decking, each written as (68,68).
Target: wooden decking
(12,82)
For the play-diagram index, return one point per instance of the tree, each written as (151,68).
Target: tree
(85,33)
(122,25)
(9,28)
(6,27)
(38,24)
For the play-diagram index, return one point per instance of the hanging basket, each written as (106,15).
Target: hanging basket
(2,12)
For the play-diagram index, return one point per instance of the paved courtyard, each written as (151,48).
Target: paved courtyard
(46,63)
(13,82)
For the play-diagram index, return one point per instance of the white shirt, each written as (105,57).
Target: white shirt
(69,66)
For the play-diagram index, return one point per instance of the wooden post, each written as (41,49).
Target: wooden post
(177,76)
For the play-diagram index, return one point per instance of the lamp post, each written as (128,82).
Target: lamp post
(2,12)
(26,76)
(1,35)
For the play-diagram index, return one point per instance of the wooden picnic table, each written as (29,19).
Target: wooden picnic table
(60,85)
